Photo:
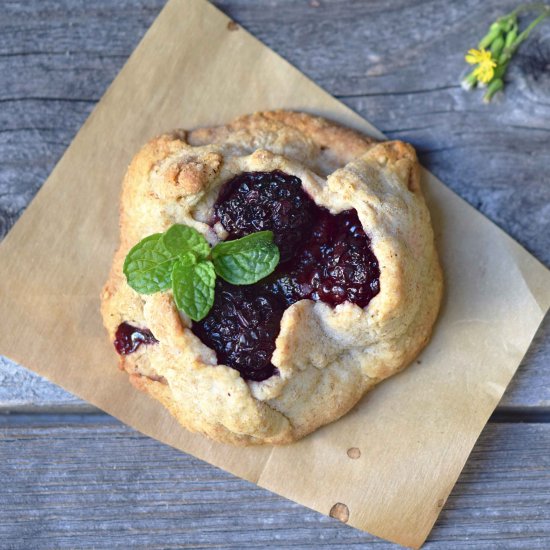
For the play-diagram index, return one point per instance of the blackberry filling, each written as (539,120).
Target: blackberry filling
(335,264)
(128,338)
(323,257)
(242,327)
(257,201)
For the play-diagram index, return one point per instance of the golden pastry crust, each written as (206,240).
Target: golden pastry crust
(328,358)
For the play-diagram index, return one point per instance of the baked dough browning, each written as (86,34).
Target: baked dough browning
(327,357)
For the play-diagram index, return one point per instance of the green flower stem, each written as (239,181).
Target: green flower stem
(495,85)
(508,24)
(500,70)
(497,46)
(514,42)
(469,81)
(503,39)
(525,34)
(488,39)
(511,36)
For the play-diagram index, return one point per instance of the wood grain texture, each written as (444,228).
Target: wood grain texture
(22,390)
(93,483)
(397,63)
(90,482)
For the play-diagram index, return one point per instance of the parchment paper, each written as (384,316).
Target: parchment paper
(414,431)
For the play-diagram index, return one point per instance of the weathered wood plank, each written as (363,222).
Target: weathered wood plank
(22,390)
(99,484)
(397,63)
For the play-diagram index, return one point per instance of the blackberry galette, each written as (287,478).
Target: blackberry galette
(247,352)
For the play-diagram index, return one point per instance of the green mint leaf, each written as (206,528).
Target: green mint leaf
(193,286)
(182,238)
(245,261)
(148,265)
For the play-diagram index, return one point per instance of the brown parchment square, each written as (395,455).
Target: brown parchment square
(415,431)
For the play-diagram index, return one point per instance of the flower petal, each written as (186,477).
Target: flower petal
(484,72)
(473,57)
(484,55)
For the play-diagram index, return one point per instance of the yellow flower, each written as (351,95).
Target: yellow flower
(485,64)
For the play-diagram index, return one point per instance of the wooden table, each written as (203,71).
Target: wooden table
(74,477)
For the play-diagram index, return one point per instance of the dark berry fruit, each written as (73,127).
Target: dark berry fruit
(324,257)
(335,265)
(258,201)
(128,338)
(242,327)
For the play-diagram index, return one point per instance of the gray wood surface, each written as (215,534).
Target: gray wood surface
(93,483)
(88,482)
(397,63)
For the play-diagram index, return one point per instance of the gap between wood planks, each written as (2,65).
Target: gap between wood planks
(49,417)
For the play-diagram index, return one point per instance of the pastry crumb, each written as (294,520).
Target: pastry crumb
(354,453)
(340,511)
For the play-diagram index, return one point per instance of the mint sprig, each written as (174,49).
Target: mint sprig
(247,260)
(184,238)
(148,265)
(193,285)
(182,259)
